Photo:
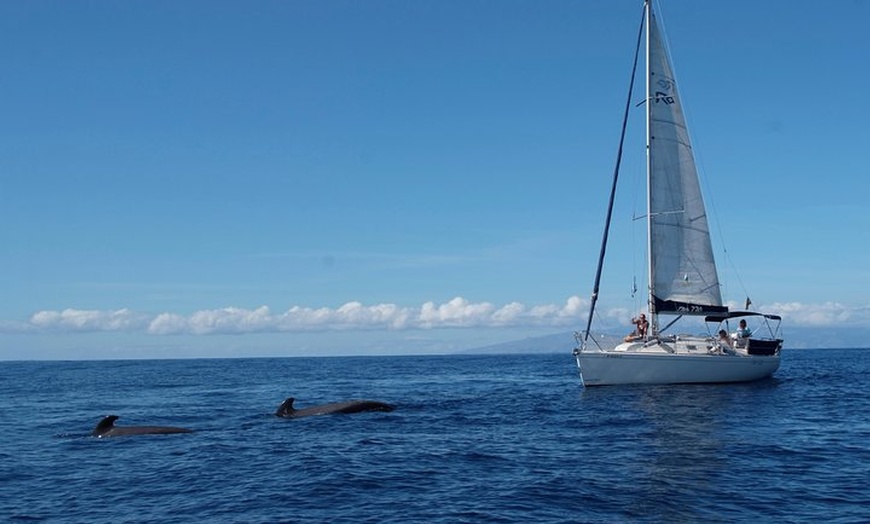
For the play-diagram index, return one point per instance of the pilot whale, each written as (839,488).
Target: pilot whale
(107,428)
(351,406)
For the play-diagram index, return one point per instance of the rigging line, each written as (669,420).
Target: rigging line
(596,287)
(721,236)
(639,301)
(639,211)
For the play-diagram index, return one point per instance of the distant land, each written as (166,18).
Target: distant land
(796,338)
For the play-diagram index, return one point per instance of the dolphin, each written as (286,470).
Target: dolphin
(287,410)
(107,428)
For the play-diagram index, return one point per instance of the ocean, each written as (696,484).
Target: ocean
(489,438)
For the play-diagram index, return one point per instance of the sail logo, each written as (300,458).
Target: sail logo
(667,86)
(664,97)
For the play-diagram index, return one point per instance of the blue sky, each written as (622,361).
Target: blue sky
(304,177)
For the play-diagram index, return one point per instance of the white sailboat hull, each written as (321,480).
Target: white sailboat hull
(656,364)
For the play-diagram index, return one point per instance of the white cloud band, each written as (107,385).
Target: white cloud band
(458,312)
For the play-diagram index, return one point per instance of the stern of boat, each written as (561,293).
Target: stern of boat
(763,347)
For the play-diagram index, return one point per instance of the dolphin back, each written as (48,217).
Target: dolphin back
(358,406)
(351,406)
(107,428)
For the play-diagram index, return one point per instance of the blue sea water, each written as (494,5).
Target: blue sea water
(496,438)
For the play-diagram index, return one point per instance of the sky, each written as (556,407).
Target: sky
(277,178)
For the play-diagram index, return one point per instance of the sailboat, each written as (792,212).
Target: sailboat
(683,279)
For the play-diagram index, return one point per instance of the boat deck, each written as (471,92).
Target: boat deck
(693,345)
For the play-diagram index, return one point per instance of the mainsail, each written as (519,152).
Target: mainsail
(683,277)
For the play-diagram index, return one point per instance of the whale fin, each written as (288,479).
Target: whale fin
(286,408)
(105,425)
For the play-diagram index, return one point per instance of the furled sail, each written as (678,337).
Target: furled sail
(682,270)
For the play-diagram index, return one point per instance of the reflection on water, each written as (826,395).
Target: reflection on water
(671,444)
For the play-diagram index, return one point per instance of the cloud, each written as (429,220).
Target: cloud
(456,313)
(821,315)
(79,320)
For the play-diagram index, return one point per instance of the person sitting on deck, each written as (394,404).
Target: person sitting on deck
(724,343)
(641,325)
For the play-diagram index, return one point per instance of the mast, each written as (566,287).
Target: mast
(654,318)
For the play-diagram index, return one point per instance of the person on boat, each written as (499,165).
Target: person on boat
(641,327)
(742,330)
(742,334)
(725,343)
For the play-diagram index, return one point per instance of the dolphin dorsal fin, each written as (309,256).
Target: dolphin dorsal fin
(286,407)
(105,425)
